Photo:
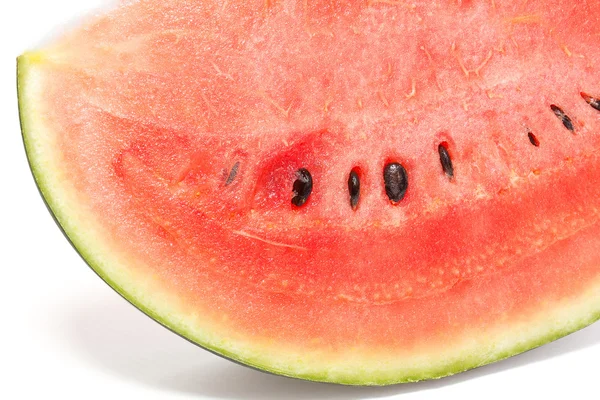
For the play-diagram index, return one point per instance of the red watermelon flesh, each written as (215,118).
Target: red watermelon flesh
(167,136)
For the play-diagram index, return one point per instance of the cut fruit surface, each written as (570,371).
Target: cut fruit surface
(360,192)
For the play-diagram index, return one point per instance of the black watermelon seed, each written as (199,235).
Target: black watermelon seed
(354,189)
(302,187)
(533,139)
(232,173)
(567,122)
(446,160)
(396,181)
(592,101)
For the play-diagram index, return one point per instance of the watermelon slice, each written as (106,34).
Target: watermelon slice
(361,192)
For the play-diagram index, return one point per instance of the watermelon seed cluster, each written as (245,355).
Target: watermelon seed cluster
(395,179)
(395,176)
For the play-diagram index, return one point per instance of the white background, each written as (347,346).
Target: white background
(65,334)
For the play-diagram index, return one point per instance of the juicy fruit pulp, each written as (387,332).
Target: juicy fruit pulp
(198,155)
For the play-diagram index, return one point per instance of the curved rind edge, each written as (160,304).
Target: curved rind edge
(464,361)
(23,66)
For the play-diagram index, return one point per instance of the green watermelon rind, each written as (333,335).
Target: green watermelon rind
(368,375)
